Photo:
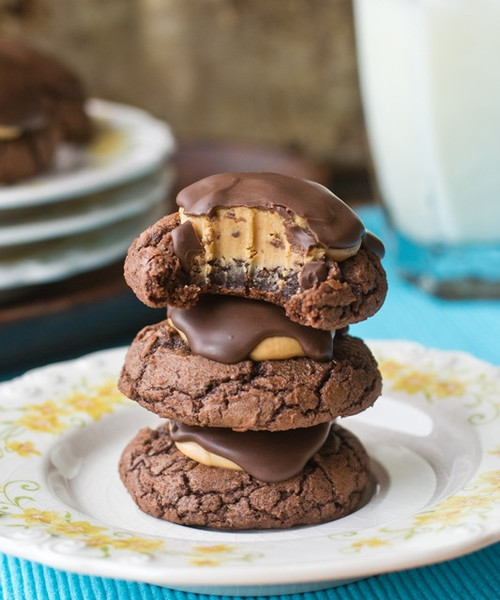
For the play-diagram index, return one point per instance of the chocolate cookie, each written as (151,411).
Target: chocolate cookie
(166,484)
(28,130)
(60,86)
(162,374)
(263,236)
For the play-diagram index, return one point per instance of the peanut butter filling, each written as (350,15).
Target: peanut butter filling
(195,452)
(229,329)
(261,238)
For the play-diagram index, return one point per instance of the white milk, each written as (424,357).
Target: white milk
(430,79)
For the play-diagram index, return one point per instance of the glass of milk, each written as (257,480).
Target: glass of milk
(430,82)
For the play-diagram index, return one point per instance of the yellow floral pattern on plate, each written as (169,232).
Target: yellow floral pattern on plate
(53,417)
(480,395)
(38,412)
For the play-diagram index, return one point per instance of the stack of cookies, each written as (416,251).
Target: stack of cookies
(261,275)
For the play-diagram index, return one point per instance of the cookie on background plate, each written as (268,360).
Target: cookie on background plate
(61,87)
(28,130)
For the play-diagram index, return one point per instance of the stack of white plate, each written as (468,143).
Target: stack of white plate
(84,213)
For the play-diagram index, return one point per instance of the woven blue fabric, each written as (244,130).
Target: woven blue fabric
(475,576)
(473,327)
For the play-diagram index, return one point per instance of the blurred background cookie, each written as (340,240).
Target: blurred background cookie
(63,89)
(42,103)
(28,130)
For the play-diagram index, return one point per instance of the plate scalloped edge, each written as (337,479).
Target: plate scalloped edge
(45,405)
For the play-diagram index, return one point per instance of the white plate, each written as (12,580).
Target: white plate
(433,438)
(91,212)
(64,257)
(129,144)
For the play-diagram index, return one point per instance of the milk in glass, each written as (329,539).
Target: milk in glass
(430,82)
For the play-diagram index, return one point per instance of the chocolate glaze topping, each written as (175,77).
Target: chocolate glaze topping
(266,455)
(185,244)
(312,273)
(227,328)
(332,223)
(372,243)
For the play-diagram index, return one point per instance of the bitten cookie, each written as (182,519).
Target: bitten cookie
(163,375)
(168,485)
(264,236)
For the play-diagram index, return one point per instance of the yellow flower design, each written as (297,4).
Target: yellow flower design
(448,387)
(33,516)
(390,368)
(92,535)
(204,562)
(136,544)
(369,543)
(94,406)
(44,418)
(98,403)
(491,479)
(99,540)
(453,509)
(110,391)
(74,528)
(24,449)
(414,382)
(495,452)
(215,549)
(48,417)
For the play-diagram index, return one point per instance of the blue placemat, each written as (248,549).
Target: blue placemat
(475,576)
(470,326)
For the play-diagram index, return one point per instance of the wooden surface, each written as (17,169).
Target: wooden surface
(280,74)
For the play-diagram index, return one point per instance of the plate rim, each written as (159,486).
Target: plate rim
(79,258)
(70,224)
(245,575)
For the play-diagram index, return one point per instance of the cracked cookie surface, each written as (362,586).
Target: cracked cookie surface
(162,375)
(166,484)
(353,289)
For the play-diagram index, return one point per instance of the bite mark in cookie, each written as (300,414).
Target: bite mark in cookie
(322,293)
